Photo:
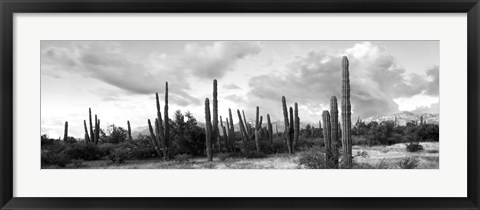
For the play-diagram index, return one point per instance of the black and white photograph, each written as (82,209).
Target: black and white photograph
(236,104)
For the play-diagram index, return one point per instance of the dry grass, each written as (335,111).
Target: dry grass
(378,157)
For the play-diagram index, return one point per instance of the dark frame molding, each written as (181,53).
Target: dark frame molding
(9,7)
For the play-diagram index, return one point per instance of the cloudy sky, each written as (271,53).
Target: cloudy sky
(118,79)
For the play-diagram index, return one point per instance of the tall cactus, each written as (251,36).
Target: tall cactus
(224,130)
(297,124)
(215,132)
(243,131)
(327,138)
(247,126)
(232,131)
(97,130)
(291,133)
(208,130)
(334,129)
(160,137)
(65,133)
(258,124)
(346,114)
(153,138)
(286,122)
(129,131)
(87,137)
(166,148)
(421,120)
(270,131)
(229,136)
(92,137)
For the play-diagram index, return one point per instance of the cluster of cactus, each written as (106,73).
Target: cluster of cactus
(160,137)
(292,126)
(243,131)
(94,131)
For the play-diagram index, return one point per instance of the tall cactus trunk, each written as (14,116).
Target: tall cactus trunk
(153,138)
(291,133)
(166,149)
(224,130)
(286,122)
(232,131)
(208,130)
(270,131)
(87,137)
(346,114)
(129,131)
(276,130)
(247,127)
(229,137)
(258,125)
(159,129)
(92,137)
(297,124)
(215,131)
(243,131)
(65,133)
(421,120)
(334,129)
(327,139)
(97,130)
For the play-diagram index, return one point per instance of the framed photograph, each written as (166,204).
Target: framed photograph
(239,105)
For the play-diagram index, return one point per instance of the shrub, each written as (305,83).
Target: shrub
(77,163)
(408,163)
(87,152)
(313,159)
(119,155)
(183,158)
(253,155)
(414,147)
(54,158)
(224,156)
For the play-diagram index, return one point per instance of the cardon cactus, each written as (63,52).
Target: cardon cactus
(92,137)
(159,129)
(270,131)
(229,136)
(243,131)
(346,114)
(87,137)
(215,131)
(166,148)
(208,130)
(97,130)
(334,129)
(421,120)
(153,138)
(248,129)
(224,131)
(291,149)
(287,123)
(258,125)
(232,130)
(327,138)
(65,133)
(297,124)
(129,131)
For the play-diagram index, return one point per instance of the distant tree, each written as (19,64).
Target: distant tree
(114,135)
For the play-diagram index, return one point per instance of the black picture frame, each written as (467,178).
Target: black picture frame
(9,7)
